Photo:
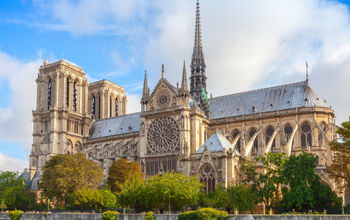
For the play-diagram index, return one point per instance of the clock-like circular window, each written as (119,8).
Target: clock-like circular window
(163,98)
(163,136)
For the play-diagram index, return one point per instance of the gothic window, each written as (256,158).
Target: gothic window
(255,144)
(99,106)
(75,96)
(110,106)
(67,93)
(49,94)
(207,177)
(269,132)
(238,143)
(163,136)
(116,107)
(93,106)
(320,134)
(288,130)
(306,138)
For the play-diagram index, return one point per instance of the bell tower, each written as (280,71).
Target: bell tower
(61,118)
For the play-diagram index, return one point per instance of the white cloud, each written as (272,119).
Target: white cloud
(133,103)
(252,44)
(16,119)
(12,164)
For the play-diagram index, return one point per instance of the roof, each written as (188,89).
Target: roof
(288,96)
(118,125)
(216,143)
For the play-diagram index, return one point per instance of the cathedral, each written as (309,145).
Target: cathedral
(179,127)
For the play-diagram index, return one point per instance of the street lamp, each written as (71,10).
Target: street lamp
(342,206)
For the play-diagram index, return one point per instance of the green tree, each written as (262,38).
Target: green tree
(87,199)
(65,174)
(134,195)
(121,171)
(265,178)
(13,191)
(340,167)
(305,190)
(242,198)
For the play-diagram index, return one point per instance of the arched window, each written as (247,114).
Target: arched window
(99,106)
(207,177)
(116,107)
(269,133)
(238,143)
(306,138)
(288,130)
(67,93)
(320,133)
(255,144)
(110,106)
(93,106)
(75,96)
(49,94)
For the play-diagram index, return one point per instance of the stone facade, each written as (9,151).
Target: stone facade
(179,128)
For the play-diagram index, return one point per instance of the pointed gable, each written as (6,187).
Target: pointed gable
(216,143)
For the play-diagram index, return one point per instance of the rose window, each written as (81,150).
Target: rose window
(163,136)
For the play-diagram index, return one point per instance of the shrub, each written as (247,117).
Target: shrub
(149,216)
(204,214)
(109,215)
(15,215)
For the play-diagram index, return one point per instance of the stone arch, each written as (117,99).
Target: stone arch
(207,176)
(77,147)
(69,147)
(255,147)
(268,135)
(238,144)
(320,137)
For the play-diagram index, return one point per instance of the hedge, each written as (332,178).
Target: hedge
(204,214)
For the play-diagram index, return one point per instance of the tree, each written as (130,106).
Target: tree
(87,199)
(65,174)
(13,193)
(242,198)
(305,191)
(340,168)
(121,171)
(161,192)
(264,176)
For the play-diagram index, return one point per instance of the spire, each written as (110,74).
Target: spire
(184,86)
(307,72)
(46,62)
(162,71)
(145,86)
(198,78)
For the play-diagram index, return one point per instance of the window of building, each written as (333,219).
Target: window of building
(99,106)
(67,93)
(75,96)
(238,143)
(320,133)
(269,132)
(306,138)
(207,177)
(93,106)
(49,94)
(116,107)
(110,106)
(255,144)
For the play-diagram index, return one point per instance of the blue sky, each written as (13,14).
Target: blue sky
(248,44)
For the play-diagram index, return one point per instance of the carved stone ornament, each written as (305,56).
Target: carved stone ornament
(163,98)
(163,136)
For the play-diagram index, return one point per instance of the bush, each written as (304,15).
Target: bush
(15,215)
(149,216)
(87,199)
(204,214)
(109,215)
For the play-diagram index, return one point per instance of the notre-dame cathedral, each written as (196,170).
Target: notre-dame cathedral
(179,127)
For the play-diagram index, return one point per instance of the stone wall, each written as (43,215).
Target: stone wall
(98,216)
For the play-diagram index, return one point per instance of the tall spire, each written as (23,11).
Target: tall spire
(184,86)
(145,86)
(198,78)
(307,72)
(162,71)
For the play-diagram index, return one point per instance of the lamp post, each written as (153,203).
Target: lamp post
(342,206)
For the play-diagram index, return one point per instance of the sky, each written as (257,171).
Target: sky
(247,45)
